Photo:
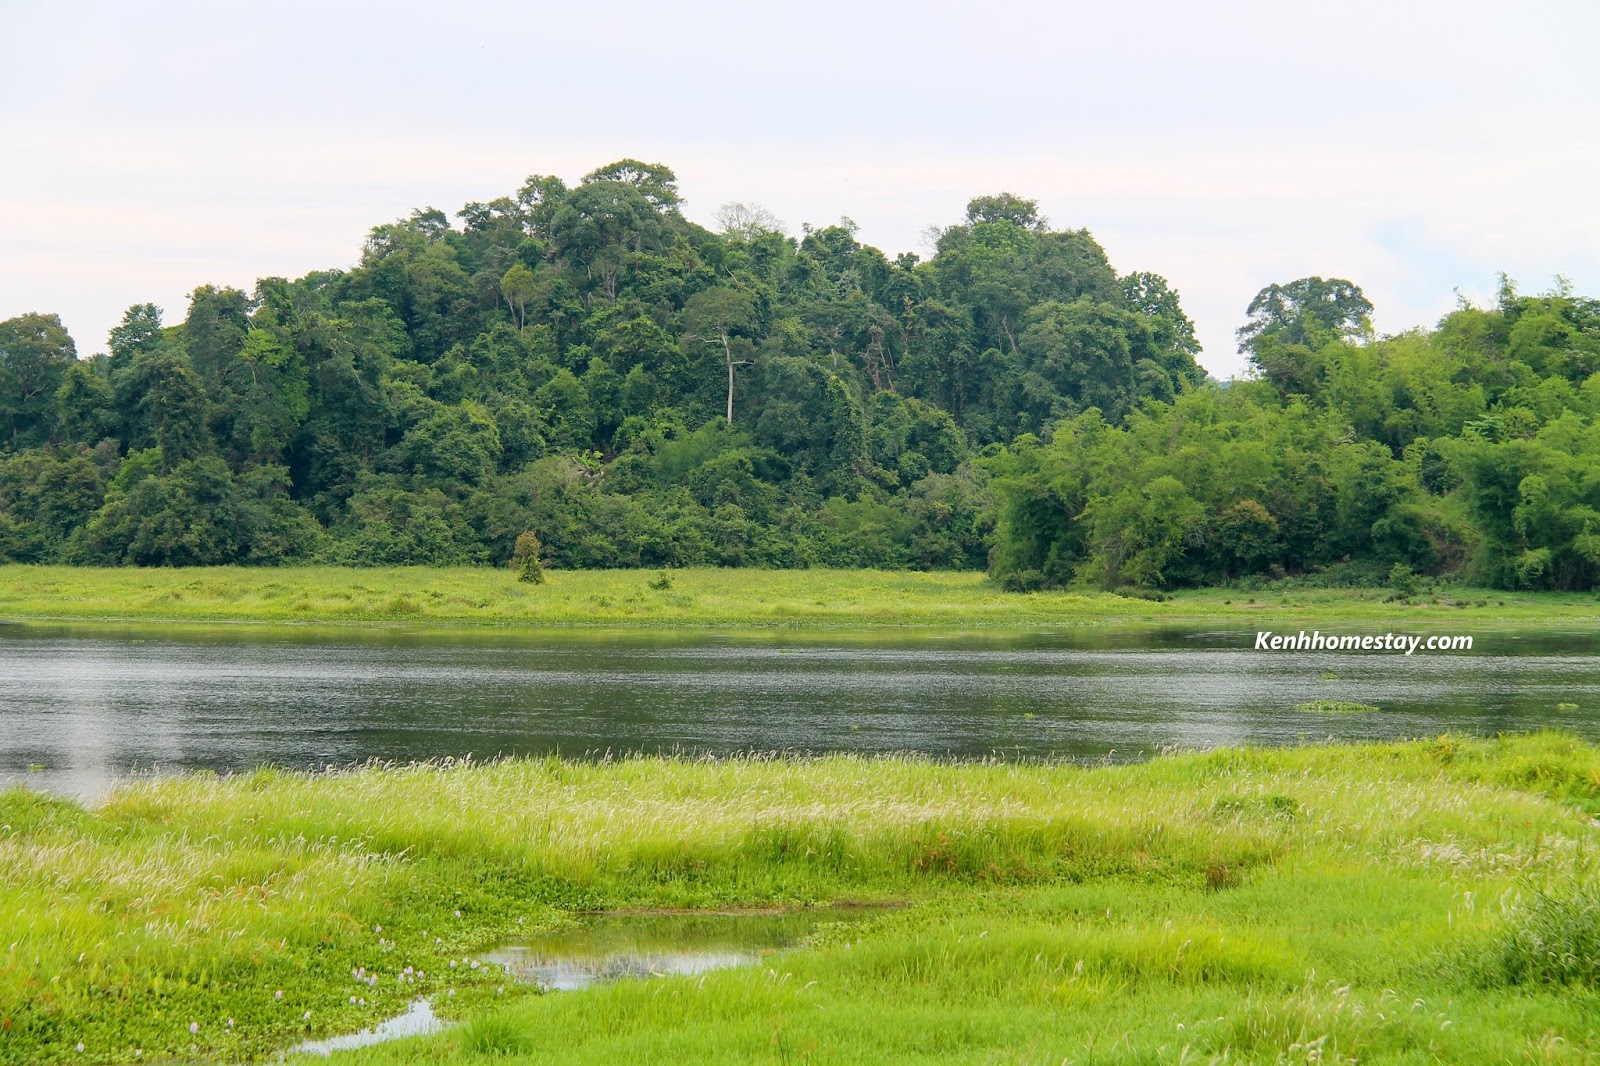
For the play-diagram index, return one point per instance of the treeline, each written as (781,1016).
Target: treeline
(637,390)
(1470,451)
(587,364)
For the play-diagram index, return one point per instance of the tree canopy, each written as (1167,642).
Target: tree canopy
(583,364)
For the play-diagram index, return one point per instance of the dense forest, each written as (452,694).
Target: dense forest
(637,390)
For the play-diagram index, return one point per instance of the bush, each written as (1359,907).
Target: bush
(1403,581)
(1555,940)
(525,559)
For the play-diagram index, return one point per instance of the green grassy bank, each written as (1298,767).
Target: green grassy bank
(1422,902)
(703,597)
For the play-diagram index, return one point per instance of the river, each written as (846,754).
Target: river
(82,706)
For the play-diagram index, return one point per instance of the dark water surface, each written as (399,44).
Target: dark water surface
(81,706)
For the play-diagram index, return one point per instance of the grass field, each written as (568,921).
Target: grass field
(1422,902)
(706,597)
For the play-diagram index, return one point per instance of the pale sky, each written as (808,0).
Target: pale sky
(1412,147)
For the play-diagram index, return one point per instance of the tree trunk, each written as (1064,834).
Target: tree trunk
(727,354)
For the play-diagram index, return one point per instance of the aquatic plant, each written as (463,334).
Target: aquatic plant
(1336,707)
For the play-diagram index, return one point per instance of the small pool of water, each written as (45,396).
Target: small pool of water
(418,1020)
(614,947)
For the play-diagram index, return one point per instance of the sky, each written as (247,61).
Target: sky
(1415,148)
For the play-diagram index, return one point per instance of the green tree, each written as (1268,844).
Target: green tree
(164,403)
(139,333)
(525,558)
(35,354)
(85,404)
(1288,323)
(519,286)
(460,442)
(718,317)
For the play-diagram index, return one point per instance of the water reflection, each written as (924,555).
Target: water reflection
(89,704)
(615,947)
(418,1020)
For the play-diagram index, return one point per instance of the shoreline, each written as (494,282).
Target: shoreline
(460,599)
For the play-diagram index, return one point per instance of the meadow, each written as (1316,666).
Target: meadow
(439,596)
(1429,901)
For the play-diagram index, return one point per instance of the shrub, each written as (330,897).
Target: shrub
(525,559)
(1554,940)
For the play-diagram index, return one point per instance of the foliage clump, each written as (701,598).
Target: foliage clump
(525,558)
(1552,939)
(1337,707)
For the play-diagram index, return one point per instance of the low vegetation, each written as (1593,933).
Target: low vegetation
(1425,901)
(716,597)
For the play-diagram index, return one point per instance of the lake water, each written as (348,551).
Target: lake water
(82,706)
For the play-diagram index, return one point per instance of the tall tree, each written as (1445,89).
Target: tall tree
(35,352)
(139,332)
(1306,311)
(717,316)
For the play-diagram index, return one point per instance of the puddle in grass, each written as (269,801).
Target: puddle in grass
(612,947)
(419,1020)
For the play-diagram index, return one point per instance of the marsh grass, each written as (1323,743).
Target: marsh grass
(1551,937)
(708,597)
(1244,904)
